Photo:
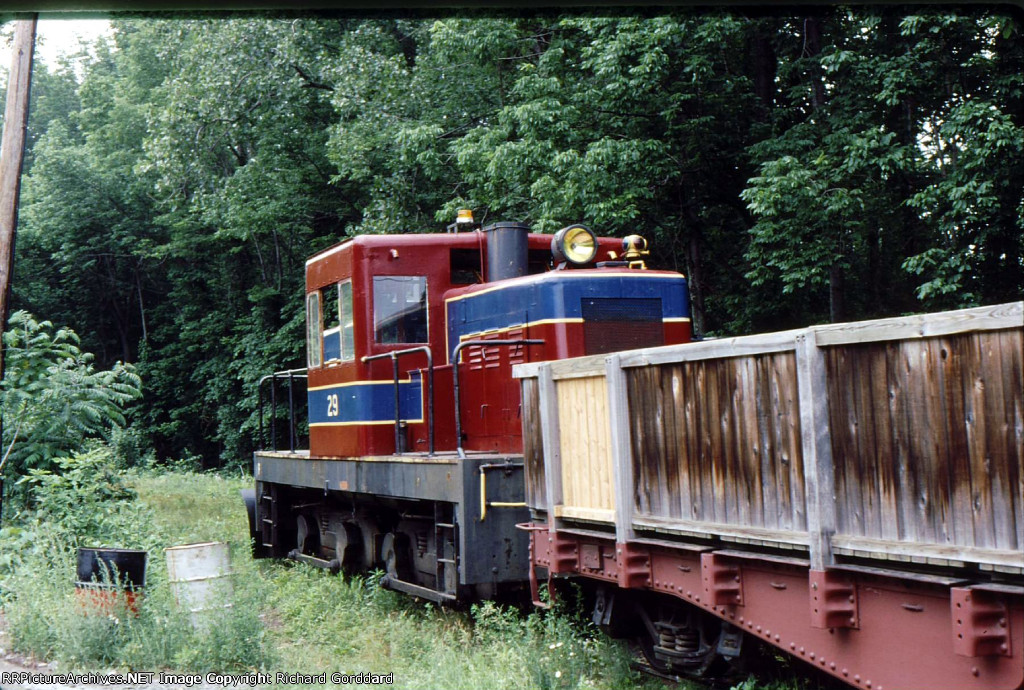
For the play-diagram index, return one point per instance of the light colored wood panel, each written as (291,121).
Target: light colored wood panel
(578,367)
(527,370)
(588,514)
(585,443)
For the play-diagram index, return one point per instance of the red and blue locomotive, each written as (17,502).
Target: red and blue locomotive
(415,458)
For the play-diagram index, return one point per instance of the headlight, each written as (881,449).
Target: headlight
(575,244)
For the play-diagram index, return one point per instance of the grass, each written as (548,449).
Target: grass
(285,617)
(289,618)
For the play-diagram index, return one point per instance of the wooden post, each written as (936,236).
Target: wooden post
(551,440)
(819,472)
(622,456)
(12,154)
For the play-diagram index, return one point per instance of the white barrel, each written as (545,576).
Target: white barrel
(199,577)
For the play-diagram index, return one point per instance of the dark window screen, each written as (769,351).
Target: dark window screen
(613,325)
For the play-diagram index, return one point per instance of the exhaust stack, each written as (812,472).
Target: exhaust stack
(506,250)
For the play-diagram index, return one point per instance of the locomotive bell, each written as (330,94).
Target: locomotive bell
(634,249)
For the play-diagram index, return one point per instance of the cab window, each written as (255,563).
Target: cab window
(332,323)
(399,309)
(339,330)
(314,327)
(348,334)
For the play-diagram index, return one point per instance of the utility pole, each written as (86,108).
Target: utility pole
(12,154)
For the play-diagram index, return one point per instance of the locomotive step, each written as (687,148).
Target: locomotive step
(416,590)
(333,565)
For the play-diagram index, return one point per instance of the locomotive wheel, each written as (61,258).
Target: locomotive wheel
(395,554)
(348,547)
(307,535)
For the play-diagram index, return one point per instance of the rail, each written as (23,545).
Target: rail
(393,356)
(291,375)
(455,378)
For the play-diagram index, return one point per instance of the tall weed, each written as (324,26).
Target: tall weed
(91,502)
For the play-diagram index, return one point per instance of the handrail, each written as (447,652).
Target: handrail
(507,467)
(455,378)
(291,374)
(394,355)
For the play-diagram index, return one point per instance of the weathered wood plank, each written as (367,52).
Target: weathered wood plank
(716,457)
(698,444)
(766,395)
(697,430)
(622,461)
(979,443)
(817,450)
(750,501)
(533,446)
(922,550)
(996,317)
(682,408)
(665,526)
(1007,426)
(550,434)
(879,445)
(928,431)
(961,518)
(742,346)
(846,435)
(663,472)
(791,455)
(641,448)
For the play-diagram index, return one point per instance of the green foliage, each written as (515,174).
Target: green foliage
(93,503)
(905,169)
(49,619)
(85,498)
(797,167)
(53,397)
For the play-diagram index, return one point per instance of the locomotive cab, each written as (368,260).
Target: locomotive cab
(374,296)
(415,461)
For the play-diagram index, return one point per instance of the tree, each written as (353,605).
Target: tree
(864,186)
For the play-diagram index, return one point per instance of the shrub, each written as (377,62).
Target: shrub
(52,396)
